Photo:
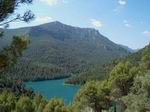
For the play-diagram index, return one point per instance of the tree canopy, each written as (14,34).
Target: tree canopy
(9,54)
(7,8)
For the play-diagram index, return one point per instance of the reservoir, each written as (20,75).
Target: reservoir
(54,88)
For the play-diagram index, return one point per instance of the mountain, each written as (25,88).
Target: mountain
(128,49)
(58,50)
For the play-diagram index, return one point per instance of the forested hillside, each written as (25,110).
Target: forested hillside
(111,78)
(126,89)
(57,50)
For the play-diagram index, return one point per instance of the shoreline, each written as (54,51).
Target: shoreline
(39,80)
(64,83)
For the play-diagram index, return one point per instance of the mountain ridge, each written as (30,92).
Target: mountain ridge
(57,49)
(71,26)
(60,23)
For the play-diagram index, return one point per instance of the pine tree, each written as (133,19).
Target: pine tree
(9,55)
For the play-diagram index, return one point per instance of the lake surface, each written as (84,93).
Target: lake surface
(54,88)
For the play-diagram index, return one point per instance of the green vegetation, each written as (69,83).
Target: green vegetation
(94,95)
(58,50)
(10,53)
(11,103)
(139,97)
(96,72)
(126,88)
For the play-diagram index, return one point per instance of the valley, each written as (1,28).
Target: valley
(57,51)
(97,59)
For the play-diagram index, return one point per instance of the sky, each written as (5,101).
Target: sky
(125,22)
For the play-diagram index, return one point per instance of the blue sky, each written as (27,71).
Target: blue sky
(125,22)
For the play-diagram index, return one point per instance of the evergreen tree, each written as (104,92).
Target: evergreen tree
(25,105)
(138,100)
(94,95)
(56,105)
(9,54)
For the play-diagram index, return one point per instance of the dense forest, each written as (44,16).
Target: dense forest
(58,50)
(126,88)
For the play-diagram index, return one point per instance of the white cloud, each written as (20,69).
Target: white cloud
(146,33)
(127,24)
(120,6)
(52,2)
(122,2)
(96,23)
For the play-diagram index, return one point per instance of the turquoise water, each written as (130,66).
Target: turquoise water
(54,88)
